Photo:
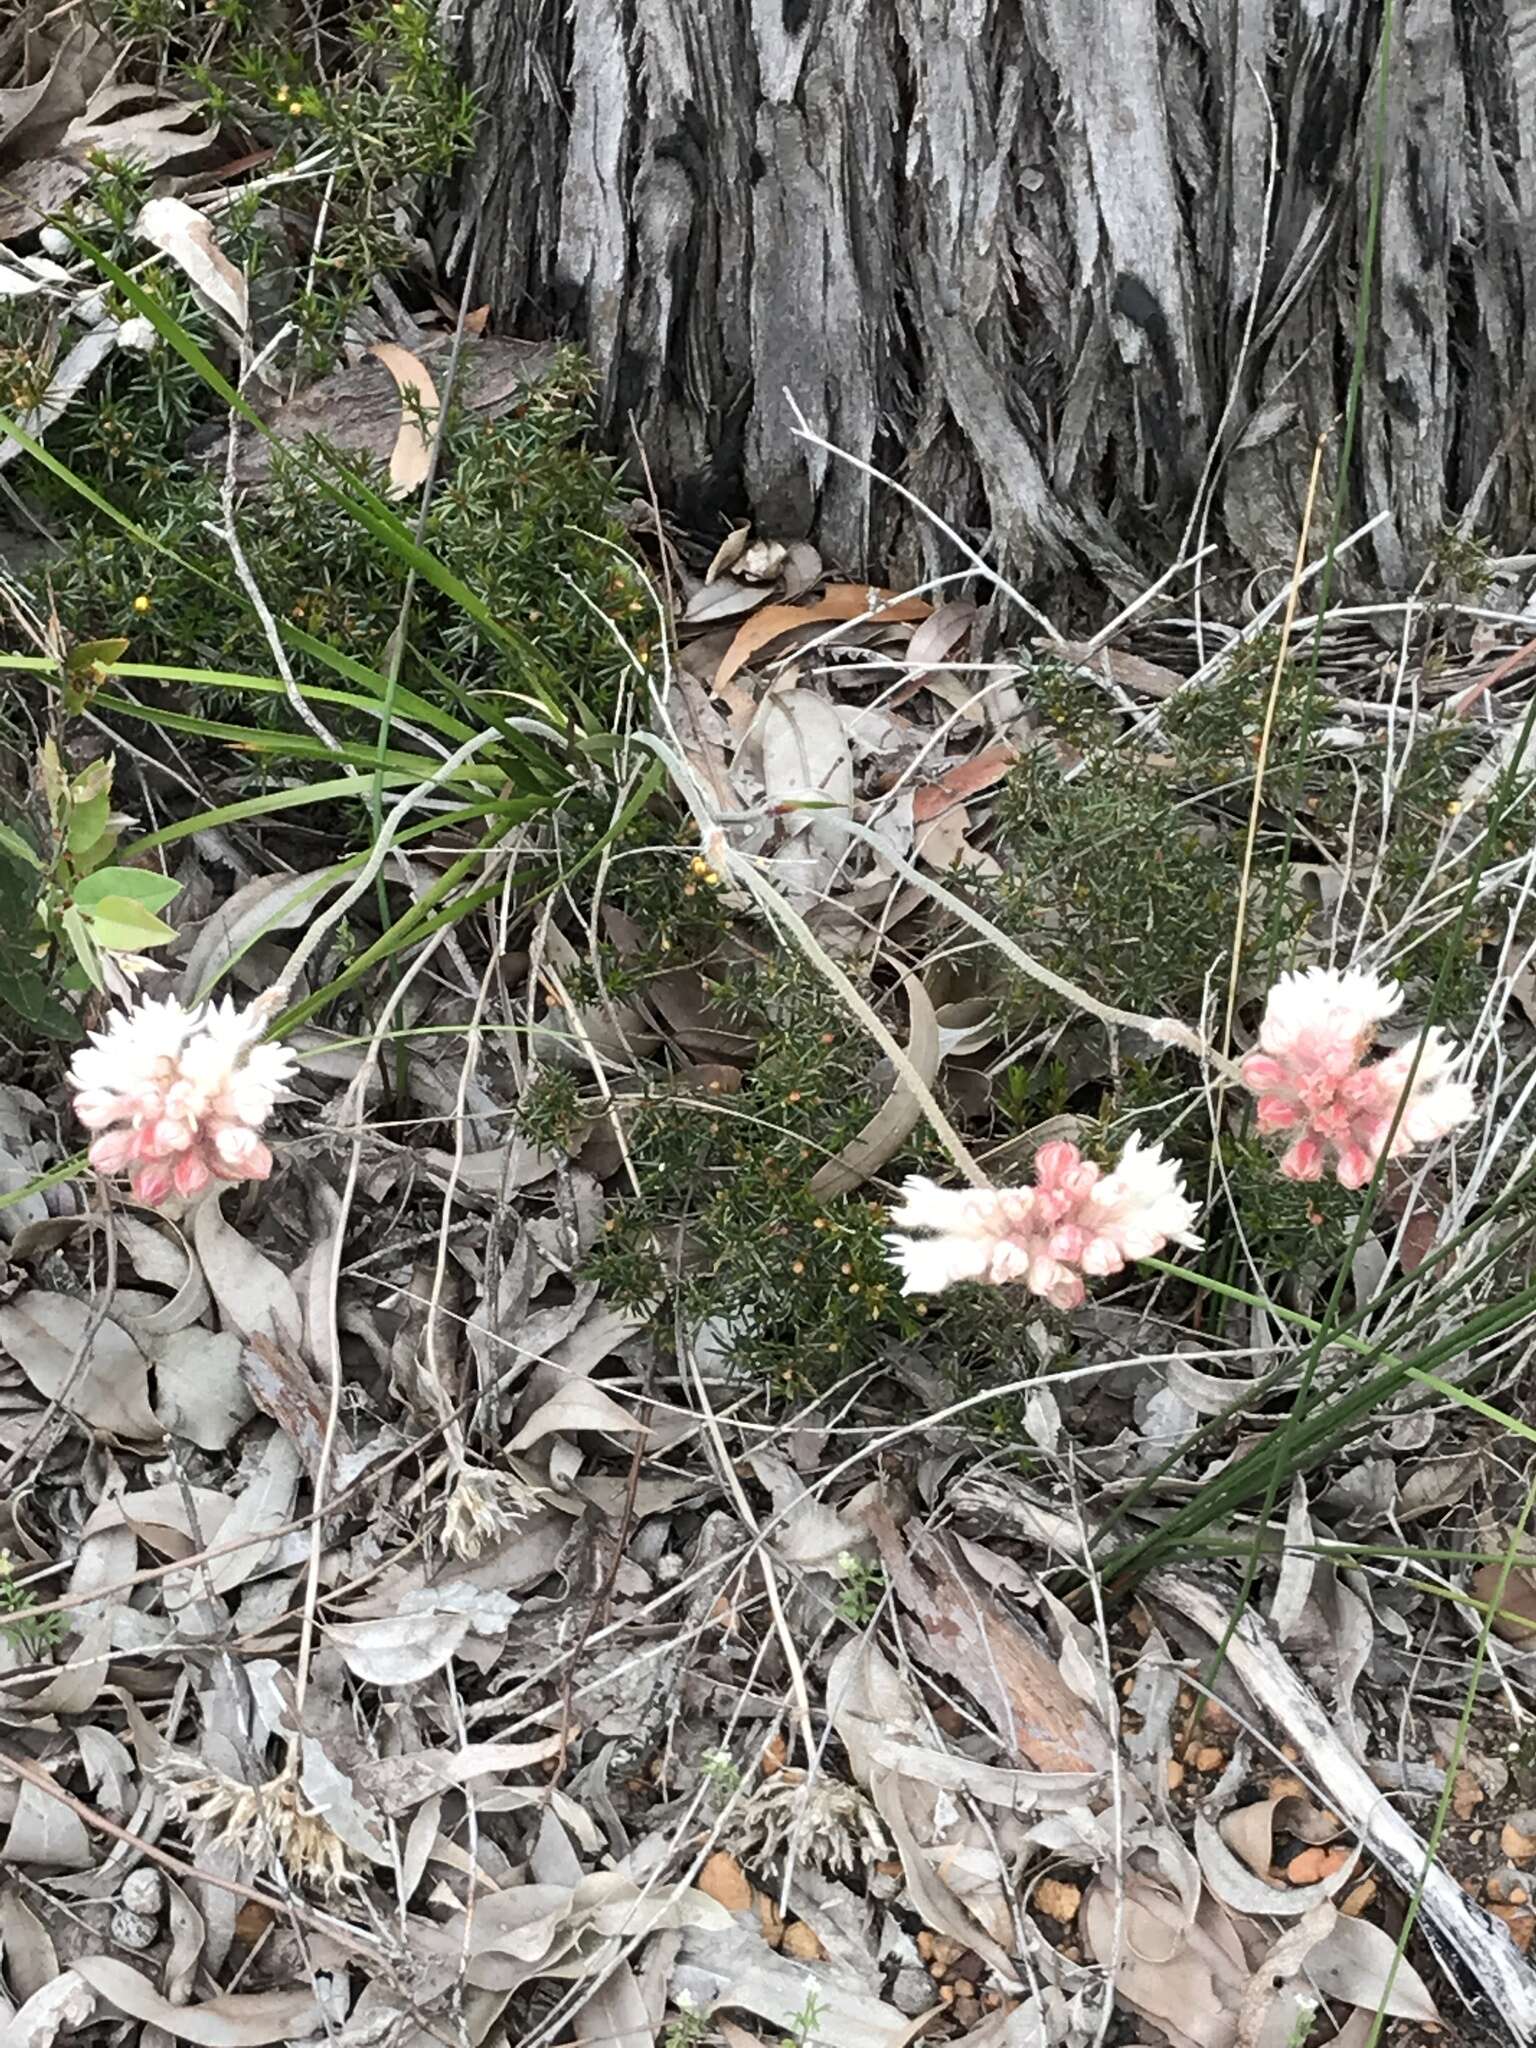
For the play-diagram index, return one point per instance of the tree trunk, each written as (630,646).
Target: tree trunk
(1038,259)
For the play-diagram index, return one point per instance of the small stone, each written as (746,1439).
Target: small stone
(1210,1758)
(1516,1845)
(800,1942)
(774,1753)
(1056,1900)
(1520,1921)
(722,1880)
(1311,1866)
(1290,1752)
(1287,1788)
(1175,1774)
(946,1994)
(134,1930)
(1466,1795)
(143,1892)
(925,1944)
(947,1951)
(1359,1897)
(964,1988)
(1518,1895)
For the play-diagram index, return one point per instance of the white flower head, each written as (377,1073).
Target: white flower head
(178,1097)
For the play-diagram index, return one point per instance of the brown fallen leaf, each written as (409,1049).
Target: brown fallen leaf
(723,1880)
(1188,1979)
(964,779)
(962,1629)
(357,408)
(1130,671)
(411,457)
(842,601)
(1515,1616)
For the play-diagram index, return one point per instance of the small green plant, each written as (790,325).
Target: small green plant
(861,1587)
(32,1637)
(722,1775)
(802,2026)
(61,890)
(688,2028)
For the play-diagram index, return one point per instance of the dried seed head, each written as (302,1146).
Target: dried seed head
(831,1826)
(264,1824)
(483,1506)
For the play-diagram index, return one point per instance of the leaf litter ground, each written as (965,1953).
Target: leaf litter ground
(451,1596)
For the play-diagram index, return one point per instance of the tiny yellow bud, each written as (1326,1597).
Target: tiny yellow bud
(141,602)
(711,879)
(295,107)
(1453,808)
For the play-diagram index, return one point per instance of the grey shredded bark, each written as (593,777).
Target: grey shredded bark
(1008,250)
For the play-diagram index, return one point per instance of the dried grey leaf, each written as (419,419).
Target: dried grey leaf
(238,2020)
(254,1296)
(579,1404)
(45,1333)
(64,2006)
(199,1392)
(398,1649)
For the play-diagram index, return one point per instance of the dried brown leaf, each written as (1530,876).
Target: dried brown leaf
(411,456)
(842,601)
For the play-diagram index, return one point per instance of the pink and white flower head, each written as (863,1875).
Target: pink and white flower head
(1308,1075)
(1076,1221)
(178,1097)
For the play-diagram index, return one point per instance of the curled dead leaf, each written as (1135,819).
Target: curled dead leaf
(887,1130)
(411,457)
(843,601)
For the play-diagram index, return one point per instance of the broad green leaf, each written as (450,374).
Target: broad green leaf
(95,654)
(97,854)
(25,991)
(88,820)
(13,844)
(120,925)
(85,952)
(143,886)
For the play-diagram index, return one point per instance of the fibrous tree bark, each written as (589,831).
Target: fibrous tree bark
(1083,274)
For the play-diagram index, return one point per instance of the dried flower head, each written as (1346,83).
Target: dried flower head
(263,1824)
(1076,1221)
(827,1825)
(483,1506)
(178,1097)
(1309,1078)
